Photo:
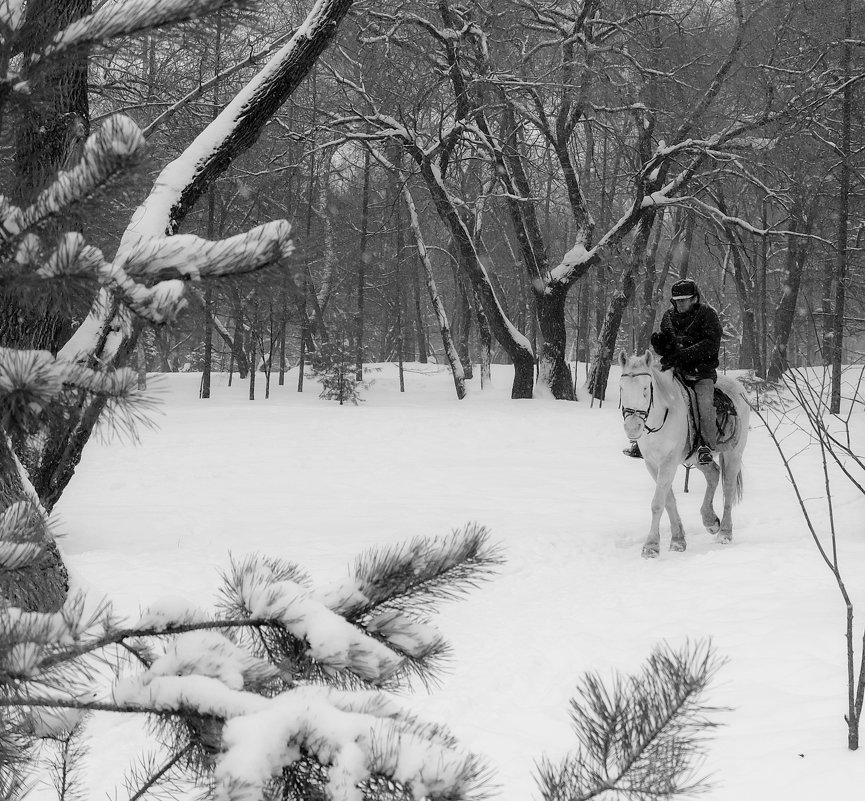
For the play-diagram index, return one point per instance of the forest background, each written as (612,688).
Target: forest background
(564,163)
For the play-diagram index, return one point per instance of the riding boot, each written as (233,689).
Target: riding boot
(633,450)
(704,454)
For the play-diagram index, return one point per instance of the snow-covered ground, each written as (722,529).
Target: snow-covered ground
(313,482)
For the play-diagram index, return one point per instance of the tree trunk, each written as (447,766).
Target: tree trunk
(208,343)
(237,341)
(602,360)
(301,364)
(251,366)
(584,328)
(514,343)
(837,344)
(447,341)
(50,130)
(283,329)
(463,327)
(49,137)
(234,343)
(398,299)
(653,287)
(56,120)
(361,270)
(785,311)
(485,343)
(554,373)
(749,356)
(419,324)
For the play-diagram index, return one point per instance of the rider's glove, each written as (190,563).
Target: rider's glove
(669,361)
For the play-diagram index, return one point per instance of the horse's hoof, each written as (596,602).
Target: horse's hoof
(714,528)
(677,545)
(724,538)
(650,551)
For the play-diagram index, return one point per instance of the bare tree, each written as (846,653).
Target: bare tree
(813,393)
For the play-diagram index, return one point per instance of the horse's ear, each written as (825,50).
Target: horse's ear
(649,358)
(623,360)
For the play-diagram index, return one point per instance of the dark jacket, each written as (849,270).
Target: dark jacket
(698,335)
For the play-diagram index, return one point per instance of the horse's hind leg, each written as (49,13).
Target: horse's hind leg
(731,466)
(707,509)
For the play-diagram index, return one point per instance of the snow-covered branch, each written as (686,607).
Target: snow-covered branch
(116,146)
(246,708)
(130,16)
(726,220)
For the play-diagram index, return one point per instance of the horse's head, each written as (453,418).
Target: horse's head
(637,393)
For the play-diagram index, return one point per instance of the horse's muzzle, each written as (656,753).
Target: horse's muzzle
(634,426)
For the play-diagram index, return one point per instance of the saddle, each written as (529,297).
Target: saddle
(726,416)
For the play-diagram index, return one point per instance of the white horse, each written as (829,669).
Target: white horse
(655,409)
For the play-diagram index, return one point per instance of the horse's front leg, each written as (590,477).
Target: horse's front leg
(663,476)
(677,541)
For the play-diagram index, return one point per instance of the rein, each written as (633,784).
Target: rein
(643,413)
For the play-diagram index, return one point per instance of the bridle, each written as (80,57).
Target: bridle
(643,414)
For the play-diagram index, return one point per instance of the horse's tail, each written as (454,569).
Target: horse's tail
(739,489)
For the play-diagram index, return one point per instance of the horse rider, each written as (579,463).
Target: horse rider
(689,340)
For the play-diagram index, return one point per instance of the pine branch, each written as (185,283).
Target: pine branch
(35,383)
(65,768)
(309,628)
(412,577)
(129,17)
(639,737)
(155,776)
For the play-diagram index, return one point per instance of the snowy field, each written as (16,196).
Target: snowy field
(316,483)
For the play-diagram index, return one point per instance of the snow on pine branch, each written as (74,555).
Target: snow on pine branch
(356,742)
(186,257)
(328,638)
(128,17)
(355,736)
(117,145)
(191,257)
(209,653)
(245,713)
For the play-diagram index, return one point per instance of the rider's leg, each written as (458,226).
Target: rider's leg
(705,391)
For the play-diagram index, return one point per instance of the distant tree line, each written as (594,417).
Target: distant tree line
(567,163)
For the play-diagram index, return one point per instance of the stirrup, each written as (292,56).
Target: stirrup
(704,455)
(633,450)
